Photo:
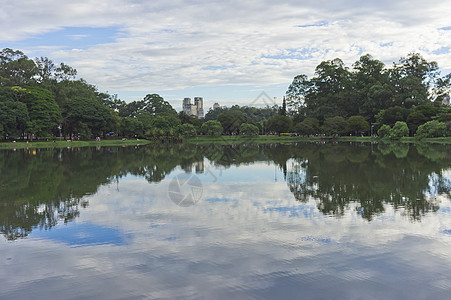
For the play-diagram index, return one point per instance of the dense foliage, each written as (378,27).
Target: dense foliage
(40,99)
(369,95)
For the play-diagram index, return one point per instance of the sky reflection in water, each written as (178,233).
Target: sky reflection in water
(272,222)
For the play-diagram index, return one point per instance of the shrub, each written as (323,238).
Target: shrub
(308,126)
(248,129)
(384,131)
(432,129)
(334,125)
(357,124)
(399,130)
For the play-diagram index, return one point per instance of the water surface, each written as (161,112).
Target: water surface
(314,221)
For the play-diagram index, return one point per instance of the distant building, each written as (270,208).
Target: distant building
(215,106)
(196,109)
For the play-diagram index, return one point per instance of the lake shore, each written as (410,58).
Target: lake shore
(289,139)
(222,140)
(73,144)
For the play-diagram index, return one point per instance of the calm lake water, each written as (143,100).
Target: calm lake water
(311,221)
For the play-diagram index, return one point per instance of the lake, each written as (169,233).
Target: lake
(269,221)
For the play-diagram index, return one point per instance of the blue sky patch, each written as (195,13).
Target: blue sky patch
(442,50)
(214,68)
(82,235)
(71,38)
(319,24)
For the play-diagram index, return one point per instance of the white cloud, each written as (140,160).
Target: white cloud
(174,45)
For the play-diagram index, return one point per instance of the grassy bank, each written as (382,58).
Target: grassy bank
(220,140)
(253,139)
(65,144)
(287,139)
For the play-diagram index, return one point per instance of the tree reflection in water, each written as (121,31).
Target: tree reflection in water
(40,188)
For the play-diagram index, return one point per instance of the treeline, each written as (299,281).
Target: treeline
(41,99)
(399,99)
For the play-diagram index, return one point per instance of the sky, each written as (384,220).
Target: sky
(225,51)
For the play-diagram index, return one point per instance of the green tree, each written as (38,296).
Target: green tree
(44,114)
(391,115)
(212,127)
(357,124)
(86,117)
(399,130)
(248,129)
(16,69)
(131,127)
(231,121)
(432,129)
(334,125)
(384,131)
(279,124)
(415,119)
(187,129)
(156,105)
(307,127)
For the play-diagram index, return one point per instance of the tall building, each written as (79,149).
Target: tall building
(196,109)
(187,106)
(199,104)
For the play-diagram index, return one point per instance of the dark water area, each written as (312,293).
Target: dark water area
(270,221)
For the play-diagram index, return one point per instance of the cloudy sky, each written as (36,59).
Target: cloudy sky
(227,51)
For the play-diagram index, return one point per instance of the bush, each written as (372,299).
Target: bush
(248,129)
(357,124)
(399,130)
(384,131)
(334,125)
(212,128)
(307,127)
(432,129)
(186,130)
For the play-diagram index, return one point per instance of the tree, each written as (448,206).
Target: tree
(432,129)
(334,125)
(13,114)
(384,131)
(279,124)
(186,129)
(212,127)
(357,124)
(283,109)
(307,127)
(86,117)
(16,69)
(130,127)
(248,129)
(231,121)
(44,114)
(296,93)
(156,105)
(391,115)
(415,119)
(399,130)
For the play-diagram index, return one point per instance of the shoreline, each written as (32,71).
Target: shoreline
(222,140)
(287,139)
(73,144)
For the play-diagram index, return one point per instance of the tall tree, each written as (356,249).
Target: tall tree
(16,68)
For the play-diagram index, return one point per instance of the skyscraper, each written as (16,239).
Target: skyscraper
(196,109)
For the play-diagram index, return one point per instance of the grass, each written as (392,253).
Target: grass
(221,140)
(284,139)
(75,144)
(261,139)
